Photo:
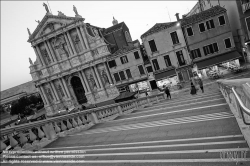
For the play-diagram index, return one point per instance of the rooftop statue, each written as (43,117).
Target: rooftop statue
(37,21)
(28,31)
(75,10)
(30,61)
(46,7)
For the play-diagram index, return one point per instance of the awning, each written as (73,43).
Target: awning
(131,82)
(205,63)
(125,95)
(165,74)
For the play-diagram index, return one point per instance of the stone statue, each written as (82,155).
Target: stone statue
(38,21)
(30,61)
(28,31)
(46,7)
(96,32)
(75,10)
(60,13)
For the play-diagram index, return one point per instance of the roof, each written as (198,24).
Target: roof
(216,10)
(113,28)
(125,95)
(123,50)
(158,27)
(45,18)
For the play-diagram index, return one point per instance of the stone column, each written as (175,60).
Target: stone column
(51,51)
(80,37)
(68,45)
(65,85)
(54,89)
(47,49)
(84,37)
(44,94)
(93,71)
(98,77)
(108,73)
(85,80)
(40,55)
(71,42)
(63,88)
(83,83)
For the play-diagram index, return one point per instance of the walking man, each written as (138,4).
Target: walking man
(201,85)
(167,91)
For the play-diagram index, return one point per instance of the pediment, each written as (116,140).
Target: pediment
(50,24)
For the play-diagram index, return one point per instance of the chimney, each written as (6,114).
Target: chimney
(177,16)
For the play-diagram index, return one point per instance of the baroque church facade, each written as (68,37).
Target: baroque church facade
(71,66)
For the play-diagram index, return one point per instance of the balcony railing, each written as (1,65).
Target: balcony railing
(245,7)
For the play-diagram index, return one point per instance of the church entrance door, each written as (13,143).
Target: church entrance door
(79,90)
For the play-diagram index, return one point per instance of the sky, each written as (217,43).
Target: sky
(17,16)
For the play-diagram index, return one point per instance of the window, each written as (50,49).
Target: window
(210,49)
(141,70)
(149,69)
(174,37)
(122,75)
(210,24)
(112,64)
(155,64)
(190,31)
(124,59)
(228,43)
(222,20)
(116,76)
(180,58)
(136,54)
(167,61)
(202,27)
(195,53)
(152,45)
(128,73)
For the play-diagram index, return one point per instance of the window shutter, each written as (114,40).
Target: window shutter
(128,73)
(141,70)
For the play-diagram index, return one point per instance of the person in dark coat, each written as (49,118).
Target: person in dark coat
(167,91)
(201,85)
(193,89)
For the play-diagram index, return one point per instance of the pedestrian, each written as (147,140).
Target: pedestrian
(201,85)
(167,91)
(193,89)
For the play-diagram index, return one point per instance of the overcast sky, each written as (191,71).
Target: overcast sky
(17,16)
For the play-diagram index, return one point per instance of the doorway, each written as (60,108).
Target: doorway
(79,90)
(153,84)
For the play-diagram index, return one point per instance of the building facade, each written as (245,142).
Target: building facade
(209,38)
(70,67)
(166,48)
(239,17)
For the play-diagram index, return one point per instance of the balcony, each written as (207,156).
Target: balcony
(245,7)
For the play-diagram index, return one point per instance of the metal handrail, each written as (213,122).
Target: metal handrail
(245,109)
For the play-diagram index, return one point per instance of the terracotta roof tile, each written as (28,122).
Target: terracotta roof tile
(216,10)
(158,27)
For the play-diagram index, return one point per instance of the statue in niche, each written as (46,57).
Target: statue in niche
(75,10)
(96,32)
(46,7)
(30,61)
(63,49)
(50,94)
(105,77)
(92,82)
(60,90)
(46,56)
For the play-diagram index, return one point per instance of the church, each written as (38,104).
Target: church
(71,61)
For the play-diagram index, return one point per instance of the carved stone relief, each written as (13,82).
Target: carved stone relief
(75,61)
(45,72)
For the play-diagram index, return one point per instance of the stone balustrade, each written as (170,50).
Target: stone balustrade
(35,135)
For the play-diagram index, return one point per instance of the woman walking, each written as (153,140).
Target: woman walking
(193,89)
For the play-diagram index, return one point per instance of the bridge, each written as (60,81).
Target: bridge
(210,128)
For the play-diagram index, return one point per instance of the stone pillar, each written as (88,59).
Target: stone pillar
(52,51)
(80,37)
(84,37)
(98,77)
(47,49)
(85,80)
(93,71)
(108,73)
(68,45)
(65,85)
(54,89)
(71,42)
(83,83)
(63,88)
(44,94)
(40,55)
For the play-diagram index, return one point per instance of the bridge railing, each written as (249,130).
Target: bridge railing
(34,135)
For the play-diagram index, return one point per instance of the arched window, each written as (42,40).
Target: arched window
(128,37)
